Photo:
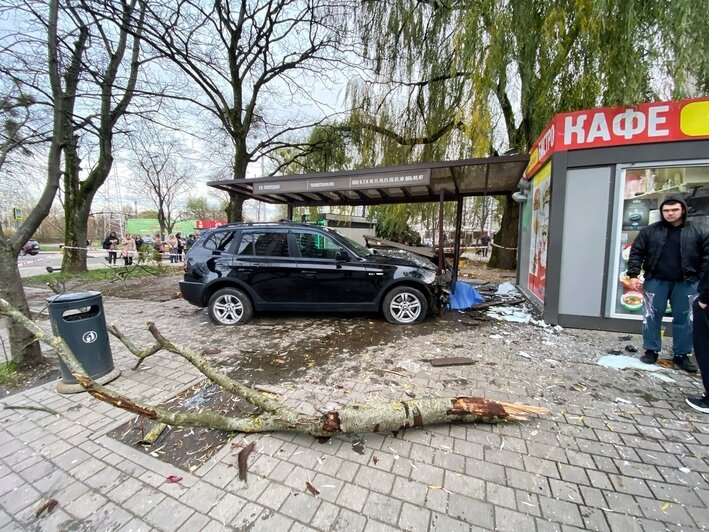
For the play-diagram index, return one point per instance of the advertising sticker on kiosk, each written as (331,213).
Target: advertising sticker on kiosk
(541,197)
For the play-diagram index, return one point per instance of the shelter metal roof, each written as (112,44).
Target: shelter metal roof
(400,184)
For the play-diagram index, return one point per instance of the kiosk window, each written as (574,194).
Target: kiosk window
(643,191)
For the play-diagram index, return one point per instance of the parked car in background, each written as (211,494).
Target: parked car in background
(30,248)
(238,269)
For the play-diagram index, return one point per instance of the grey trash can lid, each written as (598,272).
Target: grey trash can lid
(73,296)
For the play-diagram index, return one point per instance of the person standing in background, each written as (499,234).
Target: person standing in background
(111,245)
(672,253)
(180,246)
(128,250)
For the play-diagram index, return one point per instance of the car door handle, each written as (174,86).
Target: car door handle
(308,273)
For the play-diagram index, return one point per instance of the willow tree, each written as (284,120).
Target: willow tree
(498,70)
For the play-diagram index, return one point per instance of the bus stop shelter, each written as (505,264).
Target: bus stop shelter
(416,183)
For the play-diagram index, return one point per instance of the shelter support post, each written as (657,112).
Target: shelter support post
(441,262)
(458,232)
(289,211)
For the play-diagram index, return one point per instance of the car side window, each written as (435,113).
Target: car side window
(219,241)
(264,244)
(315,246)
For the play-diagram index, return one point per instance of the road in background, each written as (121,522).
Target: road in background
(37,264)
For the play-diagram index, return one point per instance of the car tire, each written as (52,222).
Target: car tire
(230,306)
(404,305)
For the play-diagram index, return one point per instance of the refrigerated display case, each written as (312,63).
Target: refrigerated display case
(643,189)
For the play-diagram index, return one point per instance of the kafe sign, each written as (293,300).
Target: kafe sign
(614,126)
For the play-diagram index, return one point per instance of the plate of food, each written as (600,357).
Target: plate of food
(631,301)
(625,280)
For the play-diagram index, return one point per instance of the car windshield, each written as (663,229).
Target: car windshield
(355,246)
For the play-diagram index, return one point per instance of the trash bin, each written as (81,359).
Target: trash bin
(78,319)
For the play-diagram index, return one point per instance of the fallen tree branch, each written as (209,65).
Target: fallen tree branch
(274,416)
(4,406)
(142,354)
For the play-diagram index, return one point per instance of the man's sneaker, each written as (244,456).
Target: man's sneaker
(650,356)
(683,362)
(701,404)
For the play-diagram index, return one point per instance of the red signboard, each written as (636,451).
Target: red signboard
(615,126)
(209,224)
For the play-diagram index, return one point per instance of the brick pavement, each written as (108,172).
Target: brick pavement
(619,450)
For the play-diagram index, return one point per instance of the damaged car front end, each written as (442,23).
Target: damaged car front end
(439,280)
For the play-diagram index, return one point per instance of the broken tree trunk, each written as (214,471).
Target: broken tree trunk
(271,415)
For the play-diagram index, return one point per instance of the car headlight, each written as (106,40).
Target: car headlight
(428,276)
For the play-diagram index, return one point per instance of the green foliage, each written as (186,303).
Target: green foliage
(324,151)
(465,78)
(101,274)
(9,374)
(521,60)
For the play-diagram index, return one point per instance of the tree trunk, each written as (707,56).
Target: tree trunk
(235,207)
(24,347)
(75,237)
(504,249)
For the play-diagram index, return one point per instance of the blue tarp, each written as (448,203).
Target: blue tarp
(464,296)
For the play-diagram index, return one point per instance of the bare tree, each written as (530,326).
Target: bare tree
(161,174)
(23,346)
(97,92)
(247,59)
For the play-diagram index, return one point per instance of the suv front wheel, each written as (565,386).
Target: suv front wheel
(404,305)
(230,306)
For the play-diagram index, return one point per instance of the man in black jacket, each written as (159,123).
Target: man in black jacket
(672,253)
(700,312)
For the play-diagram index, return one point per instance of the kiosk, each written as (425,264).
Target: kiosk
(594,179)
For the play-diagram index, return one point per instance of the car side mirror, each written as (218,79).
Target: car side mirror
(342,256)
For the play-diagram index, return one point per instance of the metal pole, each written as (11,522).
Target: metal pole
(458,230)
(440,234)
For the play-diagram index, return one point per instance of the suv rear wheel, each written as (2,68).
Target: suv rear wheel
(230,306)
(404,305)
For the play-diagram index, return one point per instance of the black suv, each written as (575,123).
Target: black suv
(237,269)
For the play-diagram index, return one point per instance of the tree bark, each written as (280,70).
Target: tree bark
(272,415)
(24,347)
(235,207)
(504,249)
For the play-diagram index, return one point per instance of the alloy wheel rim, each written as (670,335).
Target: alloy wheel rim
(228,309)
(405,308)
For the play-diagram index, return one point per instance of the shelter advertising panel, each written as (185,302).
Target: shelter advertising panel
(643,189)
(541,198)
(358,182)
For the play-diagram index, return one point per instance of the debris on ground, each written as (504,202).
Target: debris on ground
(452,361)
(243,460)
(626,362)
(506,289)
(46,506)
(464,296)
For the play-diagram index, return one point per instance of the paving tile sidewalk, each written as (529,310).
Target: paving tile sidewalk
(618,451)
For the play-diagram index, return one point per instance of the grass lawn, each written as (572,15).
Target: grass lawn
(104,274)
